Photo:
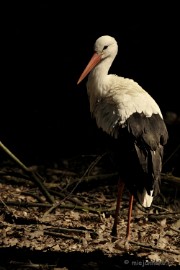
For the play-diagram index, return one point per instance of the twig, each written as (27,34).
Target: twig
(161,208)
(171,178)
(93,164)
(68,230)
(88,171)
(25,204)
(13,157)
(178,231)
(33,196)
(62,172)
(4,204)
(72,206)
(29,265)
(56,234)
(35,176)
(42,187)
(154,248)
(62,195)
(160,216)
(15,179)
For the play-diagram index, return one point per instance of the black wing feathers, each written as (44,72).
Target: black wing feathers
(149,135)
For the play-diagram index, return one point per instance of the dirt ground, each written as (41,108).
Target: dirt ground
(68,224)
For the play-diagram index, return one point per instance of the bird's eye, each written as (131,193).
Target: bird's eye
(105,47)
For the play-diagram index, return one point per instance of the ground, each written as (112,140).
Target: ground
(68,225)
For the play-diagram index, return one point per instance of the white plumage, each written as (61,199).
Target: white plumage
(124,110)
(123,98)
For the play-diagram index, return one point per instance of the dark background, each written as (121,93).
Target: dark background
(44,114)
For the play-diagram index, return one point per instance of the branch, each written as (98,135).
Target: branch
(24,204)
(35,176)
(170,178)
(154,248)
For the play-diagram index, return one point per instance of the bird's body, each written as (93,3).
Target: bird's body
(125,111)
(117,101)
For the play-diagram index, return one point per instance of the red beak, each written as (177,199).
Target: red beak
(92,63)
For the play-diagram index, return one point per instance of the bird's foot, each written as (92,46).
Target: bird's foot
(127,244)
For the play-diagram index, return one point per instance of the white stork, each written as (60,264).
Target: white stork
(125,111)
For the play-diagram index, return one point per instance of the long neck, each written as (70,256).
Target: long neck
(97,85)
(100,72)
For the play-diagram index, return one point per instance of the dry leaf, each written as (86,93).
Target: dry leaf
(154,257)
(163,222)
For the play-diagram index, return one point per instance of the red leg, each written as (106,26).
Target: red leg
(118,203)
(129,216)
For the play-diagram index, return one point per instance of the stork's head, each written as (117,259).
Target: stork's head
(105,47)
